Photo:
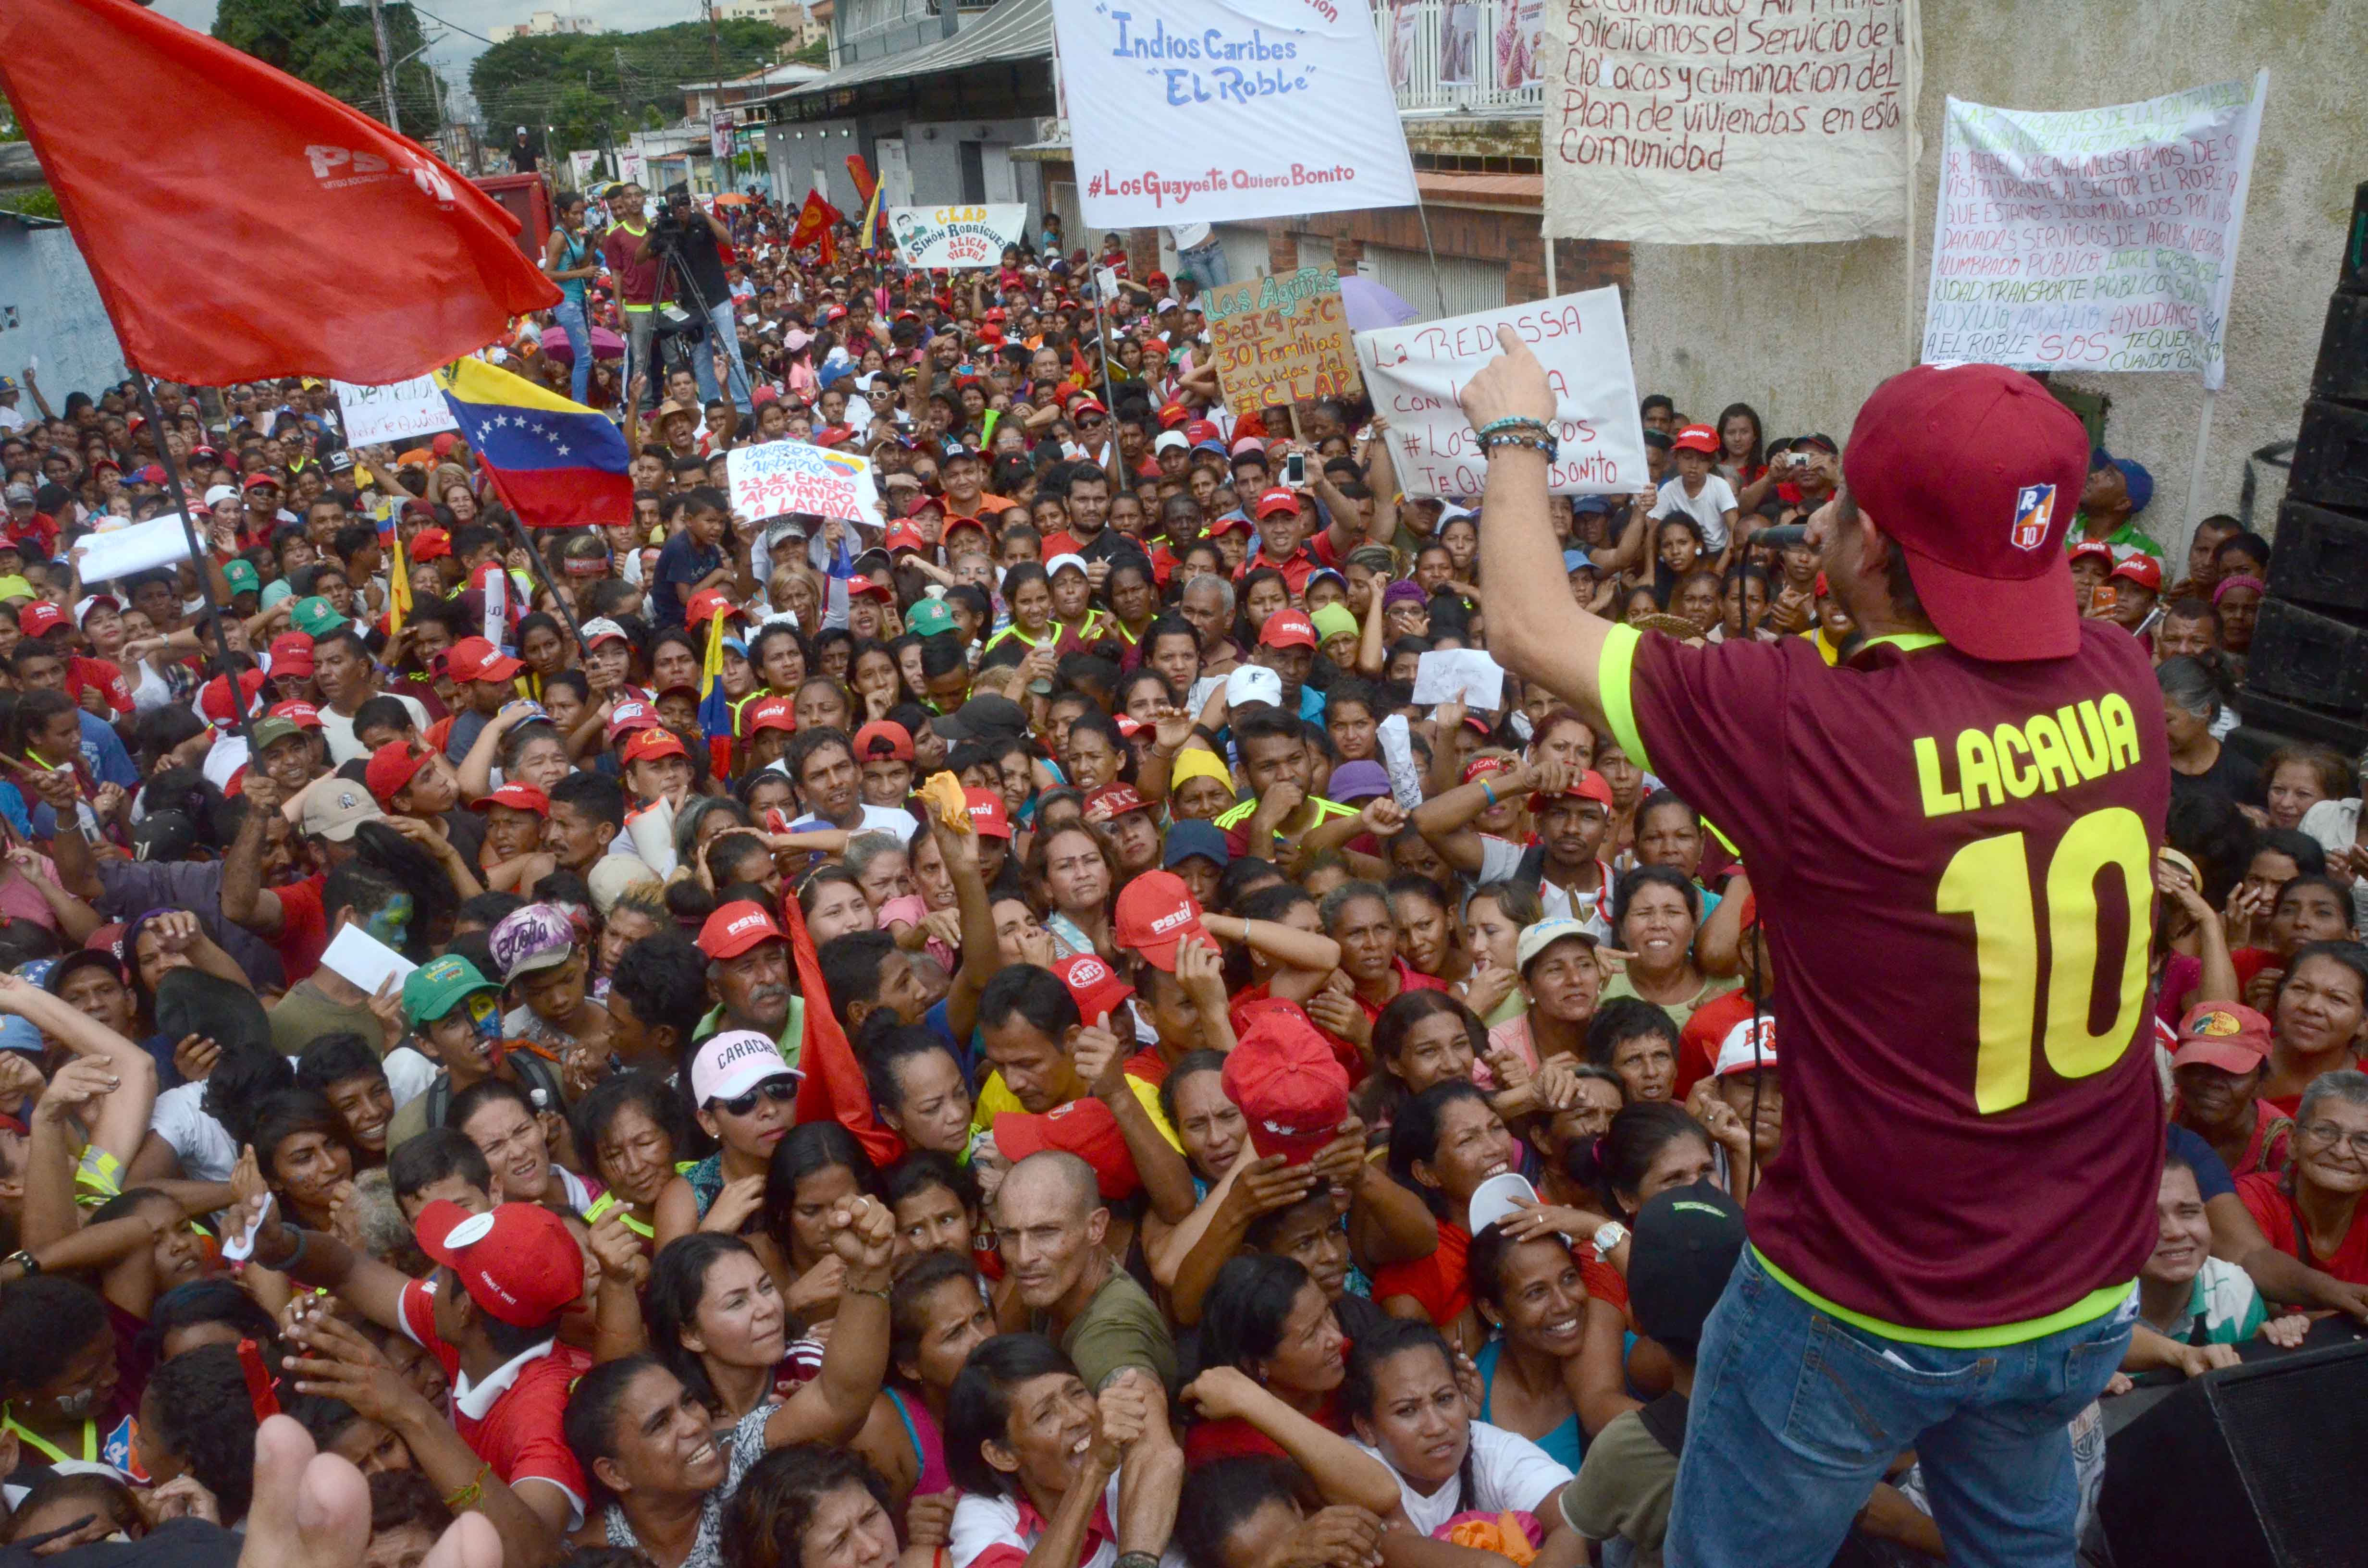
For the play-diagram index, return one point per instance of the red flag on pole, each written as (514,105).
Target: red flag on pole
(241,225)
(814,220)
(834,1089)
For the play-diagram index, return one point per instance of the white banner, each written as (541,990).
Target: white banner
(778,477)
(1184,111)
(1413,372)
(579,167)
(2093,240)
(957,236)
(1726,124)
(393,414)
(719,136)
(633,168)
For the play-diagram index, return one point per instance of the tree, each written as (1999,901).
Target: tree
(543,79)
(331,46)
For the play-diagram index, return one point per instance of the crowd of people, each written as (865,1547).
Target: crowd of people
(1044,1054)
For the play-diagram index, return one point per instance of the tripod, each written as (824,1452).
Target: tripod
(668,248)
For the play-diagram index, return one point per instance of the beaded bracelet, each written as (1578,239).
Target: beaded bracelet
(1514,422)
(1545,446)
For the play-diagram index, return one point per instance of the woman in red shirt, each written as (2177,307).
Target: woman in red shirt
(1267,1317)
(2312,1212)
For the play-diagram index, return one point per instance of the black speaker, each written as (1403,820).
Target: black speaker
(2309,657)
(2353,278)
(2330,460)
(2272,721)
(2342,369)
(2258,1466)
(2321,557)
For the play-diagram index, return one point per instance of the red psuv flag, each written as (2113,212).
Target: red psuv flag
(241,225)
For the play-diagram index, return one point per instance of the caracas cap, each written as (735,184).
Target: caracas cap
(734,1062)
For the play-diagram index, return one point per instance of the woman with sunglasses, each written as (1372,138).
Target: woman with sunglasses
(746,1099)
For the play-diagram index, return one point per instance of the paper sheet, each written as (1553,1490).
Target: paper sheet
(142,547)
(1398,757)
(361,959)
(1460,675)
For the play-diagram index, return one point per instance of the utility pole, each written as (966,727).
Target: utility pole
(385,68)
(715,61)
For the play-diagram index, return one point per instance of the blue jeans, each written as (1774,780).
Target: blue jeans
(723,333)
(569,313)
(1206,263)
(1795,1415)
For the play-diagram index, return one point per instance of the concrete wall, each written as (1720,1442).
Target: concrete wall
(1803,333)
(933,152)
(50,309)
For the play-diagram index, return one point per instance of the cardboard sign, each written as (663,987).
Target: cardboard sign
(957,236)
(1415,373)
(1279,339)
(396,415)
(2094,239)
(780,477)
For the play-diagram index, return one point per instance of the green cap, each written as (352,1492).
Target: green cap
(275,590)
(927,617)
(315,618)
(267,732)
(1332,620)
(14,588)
(437,986)
(240,576)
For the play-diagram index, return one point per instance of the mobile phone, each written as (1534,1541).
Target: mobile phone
(1294,470)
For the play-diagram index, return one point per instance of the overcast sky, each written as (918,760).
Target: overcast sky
(456,48)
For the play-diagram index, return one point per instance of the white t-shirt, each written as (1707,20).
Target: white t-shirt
(205,1148)
(1708,509)
(338,729)
(1507,1472)
(876,819)
(980,1524)
(1500,860)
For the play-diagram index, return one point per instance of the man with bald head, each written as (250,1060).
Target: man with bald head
(1050,1222)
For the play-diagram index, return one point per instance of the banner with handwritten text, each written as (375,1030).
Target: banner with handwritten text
(1774,123)
(1183,111)
(1415,372)
(1275,340)
(957,236)
(2096,239)
(776,478)
(395,414)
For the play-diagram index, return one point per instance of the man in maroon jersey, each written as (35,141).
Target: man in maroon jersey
(1953,858)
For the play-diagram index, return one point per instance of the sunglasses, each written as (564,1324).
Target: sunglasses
(780,1091)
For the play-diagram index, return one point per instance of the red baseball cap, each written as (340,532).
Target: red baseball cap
(1587,785)
(707,603)
(39,616)
(989,818)
(516,1260)
(1171,415)
(868,588)
(1199,430)
(1113,801)
(516,795)
(291,654)
(768,713)
(1079,403)
(392,768)
(1155,913)
(883,739)
(303,715)
(1287,628)
(627,717)
(1291,1089)
(653,743)
(2226,1035)
(1085,1127)
(1093,986)
(1976,470)
(1695,438)
(2143,570)
(1276,501)
(1230,523)
(2092,548)
(473,658)
(430,544)
(737,927)
(905,536)
(214,701)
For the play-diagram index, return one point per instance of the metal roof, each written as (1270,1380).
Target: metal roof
(1016,29)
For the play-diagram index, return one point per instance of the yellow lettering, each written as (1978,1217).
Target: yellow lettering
(2019,780)
(2084,737)
(1938,802)
(2048,753)
(1977,769)
(2120,730)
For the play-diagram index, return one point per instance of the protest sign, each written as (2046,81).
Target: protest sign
(1183,111)
(2096,239)
(135,547)
(393,414)
(633,168)
(1279,339)
(1415,372)
(720,136)
(778,477)
(1726,124)
(579,167)
(957,236)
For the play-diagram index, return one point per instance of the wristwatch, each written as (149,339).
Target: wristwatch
(26,1261)
(1607,1237)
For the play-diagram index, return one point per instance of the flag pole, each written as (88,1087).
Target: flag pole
(198,557)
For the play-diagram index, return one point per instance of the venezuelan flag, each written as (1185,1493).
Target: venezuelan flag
(557,464)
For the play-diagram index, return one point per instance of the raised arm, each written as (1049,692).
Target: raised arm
(833,1406)
(980,958)
(122,1119)
(244,899)
(1342,1471)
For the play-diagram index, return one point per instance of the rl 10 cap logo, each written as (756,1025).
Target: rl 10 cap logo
(2035,510)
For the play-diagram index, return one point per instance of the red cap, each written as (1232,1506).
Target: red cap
(653,743)
(256,480)
(1481,767)
(868,588)
(1587,785)
(1085,1127)
(291,654)
(1199,430)
(442,445)
(1155,913)
(914,508)
(989,818)
(737,927)
(1232,522)
(706,603)
(1291,1089)
(1089,402)
(627,717)
(516,1260)
(905,536)
(1695,438)
(2143,570)
(883,739)
(430,544)
(39,616)
(1093,986)
(1275,502)
(303,715)
(768,713)
(392,768)
(473,658)
(1287,628)
(1171,415)
(1976,470)
(1113,801)
(517,796)
(2091,548)
(214,701)
(2226,1035)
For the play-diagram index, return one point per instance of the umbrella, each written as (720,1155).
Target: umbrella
(606,344)
(1371,306)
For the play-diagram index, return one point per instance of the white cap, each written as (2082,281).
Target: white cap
(600,627)
(1171,441)
(1165,304)
(734,1062)
(83,607)
(1449,511)
(1736,1053)
(218,494)
(1253,683)
(1064,558)
(1493,1200)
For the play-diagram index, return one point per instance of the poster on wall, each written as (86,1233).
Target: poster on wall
(1521,25)
(1275,340)
(957,236)
(2096,239)
(1183,113)
(1459,43)
(1727,125)
(1405,25)
(633,169)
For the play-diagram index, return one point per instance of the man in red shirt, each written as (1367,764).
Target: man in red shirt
(1951,838)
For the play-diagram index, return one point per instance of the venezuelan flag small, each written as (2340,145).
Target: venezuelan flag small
(556,463)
